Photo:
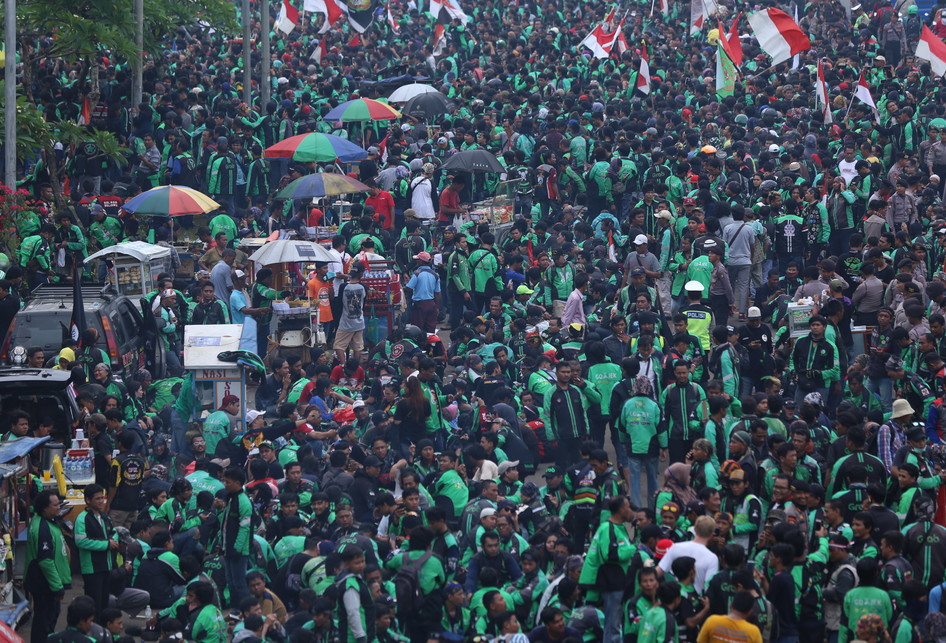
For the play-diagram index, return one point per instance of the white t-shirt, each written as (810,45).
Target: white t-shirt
(707,563)
(421,203)
(846,169)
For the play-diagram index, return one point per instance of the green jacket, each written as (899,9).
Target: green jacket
(209,626)
(180,517)
(639,424)
(431,576)
(47,548)
(216,428)
(224,223)
(485,267)
(107,233)
(34,248)
(458,271)
(609,558)
(658,625)
(601,182)
(92,535)
(236,528)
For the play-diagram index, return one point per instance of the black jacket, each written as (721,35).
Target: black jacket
(363,491)
(158,578)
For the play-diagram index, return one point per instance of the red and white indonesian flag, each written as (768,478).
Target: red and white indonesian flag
(821,91)
(862,92)
(391,21)
(452,7)
(317,53)
(332,10)
(932,49)
(599,42)
(731,43)
(288,18)
(440,41)
(643,75)
(700,12)
(620,41)
(779,36)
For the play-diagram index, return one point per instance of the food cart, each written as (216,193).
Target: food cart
(214,379)
(135,266)
(498,210)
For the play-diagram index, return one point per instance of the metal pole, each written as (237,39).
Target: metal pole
(9,95)
(264,63)
(247,58)
(137,79)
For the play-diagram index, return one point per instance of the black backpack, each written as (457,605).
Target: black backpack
(410,600)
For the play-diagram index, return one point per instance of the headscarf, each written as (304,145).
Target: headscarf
(871,625)
(642,386)
(677,480)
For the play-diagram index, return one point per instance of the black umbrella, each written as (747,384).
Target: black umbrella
(474,161)
(427,107)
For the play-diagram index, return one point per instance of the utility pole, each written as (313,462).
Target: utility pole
(138,60)
(264,62)
(247,57)
(9,95)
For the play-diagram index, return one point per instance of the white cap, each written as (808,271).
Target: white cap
(754,313)
(773,148)
(664,214)
(358,404)
(639,239)
(693,286)
(252,415)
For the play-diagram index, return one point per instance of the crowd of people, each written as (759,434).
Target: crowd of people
(692,392)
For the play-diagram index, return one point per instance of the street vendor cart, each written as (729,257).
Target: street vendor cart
(134,266)
(213,378)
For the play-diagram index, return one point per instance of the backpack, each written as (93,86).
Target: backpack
(410,600)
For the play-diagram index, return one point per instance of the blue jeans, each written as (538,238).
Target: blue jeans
(634,463)
(234,568)
(613,616)
(883,387)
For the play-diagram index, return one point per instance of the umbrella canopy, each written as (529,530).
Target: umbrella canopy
(407,92)
(171,201)
(319,185)
(474,161)
(290,251)
(427,107)
(316,147)
(362,109)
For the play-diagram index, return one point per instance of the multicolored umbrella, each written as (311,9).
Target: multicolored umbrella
(407,92)
(316,147)
(171,201)
(319,185)
(362,109)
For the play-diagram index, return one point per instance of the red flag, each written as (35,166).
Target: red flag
(317,54)
(85,116)
(355,41)
(391,21)
(598,42)
(779,36)
(288,18)
(931,48)
(329,8)
(643,76)
(734,51)
(439,42)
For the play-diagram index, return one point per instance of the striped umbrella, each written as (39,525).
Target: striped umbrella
(362,109)
(317,147)
(318,185)
(171,201)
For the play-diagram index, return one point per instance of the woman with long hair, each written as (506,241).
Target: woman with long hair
(410,416)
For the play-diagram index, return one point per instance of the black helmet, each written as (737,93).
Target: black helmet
(415,334)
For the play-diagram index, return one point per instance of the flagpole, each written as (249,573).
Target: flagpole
(247,58)
(265,62)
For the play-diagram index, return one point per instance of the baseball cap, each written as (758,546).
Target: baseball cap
(670,506)
(423,256)
(358,404)
(741,436)
(252,415)
(689,200)
(663,546)
(640,239)
(372,461)
(551,472)
(228,400)
(506,466)
(266,444)
(524,290)
(663,214)
(737,474)
(637,271)
(488,511)
(754,313)
(373,150)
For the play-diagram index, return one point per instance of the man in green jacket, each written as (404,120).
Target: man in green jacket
(47,565)
(487,279)
(610,564)
(205,622)
(641,433)
(97,544)
(659,624)
(458,280)
(430,578)
(236,533)
(35,258)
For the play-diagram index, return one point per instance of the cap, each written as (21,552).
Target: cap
(359,404)
(731,330)
(252,415)
(372,461)
(507,465)
(637,271)
(524,290)
(239,274)
(552,472)
(670,506)
(695,507)
(836,284)
(773,148)
(489,511)
(916,434)
(689,200)
(737,474)
(664,214)
(266,444)
(663,546)
(640,239)
(693,286)
(373,150)
(423,256)
(442,140)
(754,313)
(228,400)
(742,437)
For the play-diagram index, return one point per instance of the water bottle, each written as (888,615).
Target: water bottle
(148,613)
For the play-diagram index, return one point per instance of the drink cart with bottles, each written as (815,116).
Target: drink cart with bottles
(134,266)
(213,378)
(497,210)
(383,297)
